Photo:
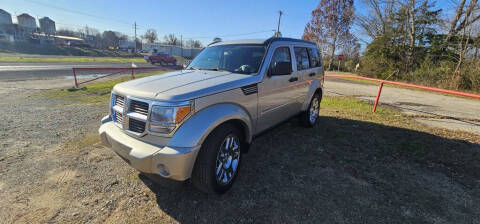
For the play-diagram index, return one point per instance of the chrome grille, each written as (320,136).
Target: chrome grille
(118,118)
(139,107)
(130,114)
(119,100)
(136,126)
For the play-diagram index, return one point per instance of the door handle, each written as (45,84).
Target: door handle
(293,79)
(311,74)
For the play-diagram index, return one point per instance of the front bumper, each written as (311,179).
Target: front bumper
(170,162)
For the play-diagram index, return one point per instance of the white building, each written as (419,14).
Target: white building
(26,21)
(47,25)
(126,44)
(7,28)
(171,50)
(5,17)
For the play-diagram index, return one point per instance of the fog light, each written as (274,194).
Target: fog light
(162,170)
(161,129)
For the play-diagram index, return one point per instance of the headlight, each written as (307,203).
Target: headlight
(164,119)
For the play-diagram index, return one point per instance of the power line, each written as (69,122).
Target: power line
(230,35)
(77,12)
(136,26)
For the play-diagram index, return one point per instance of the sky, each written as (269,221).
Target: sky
(201,20)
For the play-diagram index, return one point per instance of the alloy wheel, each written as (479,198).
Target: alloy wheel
(228,159)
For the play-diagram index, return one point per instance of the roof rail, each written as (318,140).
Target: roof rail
(273,39)
(214,42)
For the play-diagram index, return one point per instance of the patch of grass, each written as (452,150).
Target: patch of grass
(353,106)
(71,59)
(86,141)
(397,86)
(98,92)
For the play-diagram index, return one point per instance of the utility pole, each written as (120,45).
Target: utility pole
(135,40)
(181,44)
(87,32)
(277,34)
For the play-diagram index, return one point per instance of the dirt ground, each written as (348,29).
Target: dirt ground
(349,169)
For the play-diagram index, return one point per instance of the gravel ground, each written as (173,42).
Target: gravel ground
(344,171)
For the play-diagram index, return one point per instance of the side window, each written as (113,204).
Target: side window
(281,54)
(315,60)
(302,58)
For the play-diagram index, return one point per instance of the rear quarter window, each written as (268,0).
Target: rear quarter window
(301,56)
(315,59)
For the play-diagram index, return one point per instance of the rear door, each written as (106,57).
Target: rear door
(304,73)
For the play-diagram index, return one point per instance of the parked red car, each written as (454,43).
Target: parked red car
(161,58)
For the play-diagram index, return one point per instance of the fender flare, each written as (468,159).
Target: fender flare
(314,86)
(197,128)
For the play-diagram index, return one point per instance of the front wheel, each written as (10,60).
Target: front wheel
(218,161)
(310,116)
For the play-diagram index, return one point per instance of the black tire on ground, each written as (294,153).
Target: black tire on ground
(305,115)
(204,175)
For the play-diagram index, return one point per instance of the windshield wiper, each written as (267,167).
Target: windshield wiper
(192,68)
(215,69)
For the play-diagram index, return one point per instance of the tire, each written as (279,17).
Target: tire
(309,117)
(210,163)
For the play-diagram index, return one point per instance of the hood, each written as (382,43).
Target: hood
(182,85)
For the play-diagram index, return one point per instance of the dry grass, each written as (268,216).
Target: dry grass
(97,92)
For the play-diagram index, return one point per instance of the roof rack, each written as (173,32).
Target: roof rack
(214,42)
(273,39)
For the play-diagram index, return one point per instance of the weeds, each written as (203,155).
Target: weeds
(98,92)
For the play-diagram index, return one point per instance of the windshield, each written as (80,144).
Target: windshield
(237,58)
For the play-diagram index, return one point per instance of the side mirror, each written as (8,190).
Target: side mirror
(281,68)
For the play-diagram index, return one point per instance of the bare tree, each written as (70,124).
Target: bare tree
(330,25)
(464,16)
(194,44)
(351,49)
(171,39)
(67,32)
(151,36)
(378,20)
(111,38)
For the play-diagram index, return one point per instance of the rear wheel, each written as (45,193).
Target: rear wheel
(218,161)
(310,116)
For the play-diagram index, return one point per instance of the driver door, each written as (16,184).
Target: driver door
(276,97)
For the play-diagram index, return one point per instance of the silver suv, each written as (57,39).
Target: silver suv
(197,123)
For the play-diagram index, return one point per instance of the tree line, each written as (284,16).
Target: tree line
(109,38)
(409,40)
